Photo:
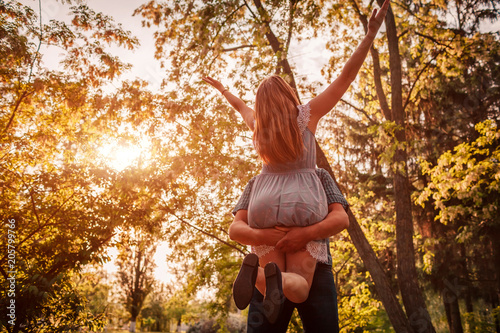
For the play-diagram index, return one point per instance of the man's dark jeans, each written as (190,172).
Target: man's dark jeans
(319,313)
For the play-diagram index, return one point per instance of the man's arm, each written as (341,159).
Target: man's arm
(292,239)
(297,237)
(242,233)
(288,239)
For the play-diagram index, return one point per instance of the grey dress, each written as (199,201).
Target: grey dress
(290,194)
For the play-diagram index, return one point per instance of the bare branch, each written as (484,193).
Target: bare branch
(207,233)
(237,47)
(250,10)
(372,122)
(434,40)
(277,47)
(403,33)
(290,26)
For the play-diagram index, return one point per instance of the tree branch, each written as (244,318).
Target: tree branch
(403,33)
(250,10)
(25,92)
(40,227)
(18,103)
(34,206)
(205,232)
(39,41)
(434,40)
(425,67)
(225,21)
(277,47)
(377,78)
(372,122)
(418,78)
(290,27)
(237,47)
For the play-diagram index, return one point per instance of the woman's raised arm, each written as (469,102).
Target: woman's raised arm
(236,102)
(324,102)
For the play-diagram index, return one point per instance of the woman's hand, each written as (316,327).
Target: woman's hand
(324,102)
(236,102)
(214,83)
(377,18)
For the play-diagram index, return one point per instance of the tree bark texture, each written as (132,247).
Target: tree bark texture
(413,299)
(385,292)
(277,47)
(132,326)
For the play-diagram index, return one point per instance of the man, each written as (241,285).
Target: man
(319,312)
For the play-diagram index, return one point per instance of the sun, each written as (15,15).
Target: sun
(119,156)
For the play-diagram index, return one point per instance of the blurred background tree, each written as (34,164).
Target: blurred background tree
(58,193)
(135,271)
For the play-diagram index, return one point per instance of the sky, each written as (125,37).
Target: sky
(142,58)
(309,58)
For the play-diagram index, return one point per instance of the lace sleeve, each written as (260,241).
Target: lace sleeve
(304,116)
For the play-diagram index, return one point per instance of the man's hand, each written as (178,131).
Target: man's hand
(295,239)
(269,236)
(242,233)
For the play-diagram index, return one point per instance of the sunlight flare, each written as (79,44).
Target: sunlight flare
(119,156)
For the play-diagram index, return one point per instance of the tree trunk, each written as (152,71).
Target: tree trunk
(382,284)
(494,304)
(283,65)
(452,310)
(496,288)
(413,299)
(132,325)
(178,325)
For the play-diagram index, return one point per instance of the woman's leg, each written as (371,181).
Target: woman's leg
(297,271)
(269,283)
(272,256)
(297,279)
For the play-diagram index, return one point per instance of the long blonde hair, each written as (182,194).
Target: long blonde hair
(277,137)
